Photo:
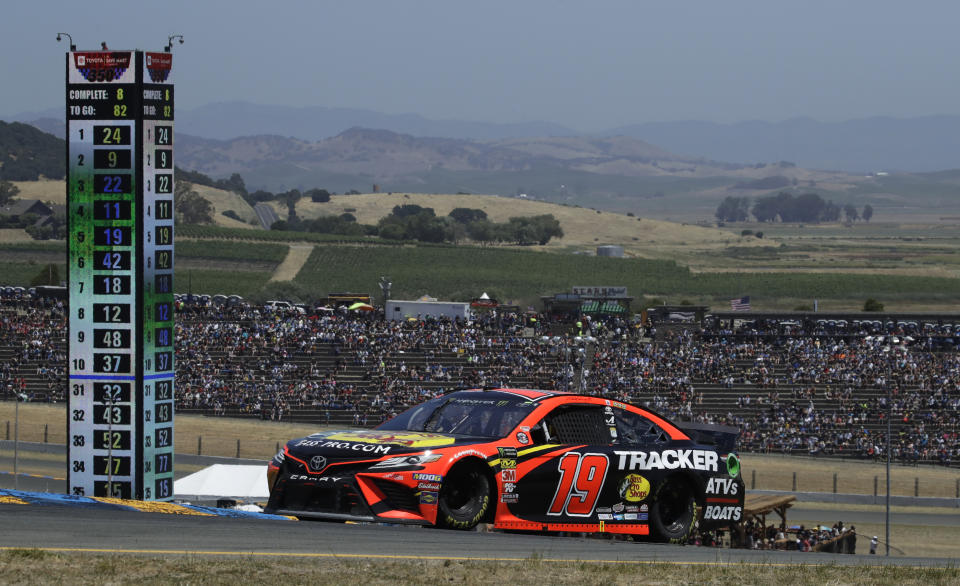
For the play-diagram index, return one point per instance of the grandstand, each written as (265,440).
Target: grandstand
(810,384)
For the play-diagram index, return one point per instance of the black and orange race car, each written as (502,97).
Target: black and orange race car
(520,460)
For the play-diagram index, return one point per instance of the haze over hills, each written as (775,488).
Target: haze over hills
(612,173)
(615,173)
(921,144)
(930,143)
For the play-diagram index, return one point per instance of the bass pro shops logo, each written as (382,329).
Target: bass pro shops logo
(634,488)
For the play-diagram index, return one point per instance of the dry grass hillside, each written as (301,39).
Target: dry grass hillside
(44,190)
(55,192)
(227,200)
(584,229)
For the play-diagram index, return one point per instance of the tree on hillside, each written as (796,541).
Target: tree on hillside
(290,198)
(426,227)
(767,209)
(467,215)
(318,195)
(234,183)
(482,231)
(411,210)
(7,192)
(28,153)
(806,207)
(867,213)
(733,209)
(392,227)
(190,207)
(534,229)
(195,177)
(830,212)
(850,212)
(548,227)
(259,196)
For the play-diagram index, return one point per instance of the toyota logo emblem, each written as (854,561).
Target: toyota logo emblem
(318,463)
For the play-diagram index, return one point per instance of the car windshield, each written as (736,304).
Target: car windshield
(475,414)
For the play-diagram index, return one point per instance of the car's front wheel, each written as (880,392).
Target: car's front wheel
(674,510)
(464,497)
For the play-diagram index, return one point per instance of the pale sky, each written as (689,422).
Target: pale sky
(587,65)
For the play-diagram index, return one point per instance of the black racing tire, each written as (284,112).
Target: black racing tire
(464,497)
(673,513)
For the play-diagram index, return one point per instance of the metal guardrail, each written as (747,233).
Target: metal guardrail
(865,499)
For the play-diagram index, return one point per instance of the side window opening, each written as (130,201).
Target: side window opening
(636,429)
(578,424)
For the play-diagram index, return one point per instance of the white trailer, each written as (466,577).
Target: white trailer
(403,310)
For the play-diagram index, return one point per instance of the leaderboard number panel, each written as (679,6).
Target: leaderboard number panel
(101,272)
(157,139)
(120,279)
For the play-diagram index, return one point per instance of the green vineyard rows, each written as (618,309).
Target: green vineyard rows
(252,251)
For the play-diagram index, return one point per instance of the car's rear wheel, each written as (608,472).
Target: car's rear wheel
(464,497)
(674,510)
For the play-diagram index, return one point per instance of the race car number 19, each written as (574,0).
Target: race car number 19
(581,478)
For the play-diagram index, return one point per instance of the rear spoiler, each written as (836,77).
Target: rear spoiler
(724,437)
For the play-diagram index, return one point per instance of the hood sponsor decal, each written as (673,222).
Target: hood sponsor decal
(410,439)
(352,446)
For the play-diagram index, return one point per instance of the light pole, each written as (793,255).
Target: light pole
(385,285)
(889,450)
(60,38)
(891,355)
(169,46)
(16,438)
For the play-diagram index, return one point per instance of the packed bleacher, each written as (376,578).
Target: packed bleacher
(807,388)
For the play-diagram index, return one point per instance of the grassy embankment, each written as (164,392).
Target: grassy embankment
(25,566)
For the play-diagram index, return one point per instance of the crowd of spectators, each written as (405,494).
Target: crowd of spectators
(754,535)
(32,331)
(812,388)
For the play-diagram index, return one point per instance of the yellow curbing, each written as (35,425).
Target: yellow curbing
(152,506)
(11,500)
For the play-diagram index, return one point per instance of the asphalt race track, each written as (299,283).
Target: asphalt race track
(75,528)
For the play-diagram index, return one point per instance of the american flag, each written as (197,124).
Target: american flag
(740,304)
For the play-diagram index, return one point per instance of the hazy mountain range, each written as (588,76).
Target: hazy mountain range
(668,171)
(921,144)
